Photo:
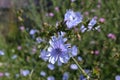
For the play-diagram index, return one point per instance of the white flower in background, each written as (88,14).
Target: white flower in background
(72,18)
(17,75)
(7,74)
(97,28)
(14,56)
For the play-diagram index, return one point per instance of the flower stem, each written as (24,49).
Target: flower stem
(81,70)
(30,76)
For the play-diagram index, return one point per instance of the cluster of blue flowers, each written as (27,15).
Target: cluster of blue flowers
(72,19)
(59,51)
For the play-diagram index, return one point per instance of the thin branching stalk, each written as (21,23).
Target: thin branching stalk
(80,69)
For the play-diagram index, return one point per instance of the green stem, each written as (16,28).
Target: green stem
(31,74)
(81,70)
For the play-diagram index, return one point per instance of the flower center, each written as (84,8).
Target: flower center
(58,50)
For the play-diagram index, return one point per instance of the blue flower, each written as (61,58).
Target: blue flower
(82,77)
(51,66)
(25,72)
(91,24)
(59,63)
(42,73)
(39,40)
(117,77)
(1,53)
(65,76)
(72,18)
(44,55)
(33,31)
(74,51)
(83,28)
(58,51)
(73,66)
(61,33)
(79,58)
(50,78)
